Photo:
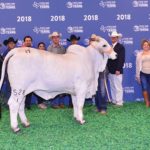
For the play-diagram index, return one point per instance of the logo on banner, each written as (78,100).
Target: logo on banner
(86,42)
(63,42)
(139,3)
(127,41)
(41,5)
(129,90)
(108,4)
(41,30)
(19,43)
(141,28)
(7,30)
(74,4)
(75,29)
(7,6)
(108,28)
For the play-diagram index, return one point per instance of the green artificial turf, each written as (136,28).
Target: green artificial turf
(126,128)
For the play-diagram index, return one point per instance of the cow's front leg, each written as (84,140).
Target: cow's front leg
(74,102)
(80,104)
(13,107)
(22,114)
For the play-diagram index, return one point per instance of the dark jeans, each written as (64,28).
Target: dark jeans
(100,98)
(29,98)
(145,81)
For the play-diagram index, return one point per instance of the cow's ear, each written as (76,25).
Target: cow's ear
(98,38)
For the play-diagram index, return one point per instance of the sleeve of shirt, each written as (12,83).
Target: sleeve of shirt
(49,48)
(138,63)
(121,57)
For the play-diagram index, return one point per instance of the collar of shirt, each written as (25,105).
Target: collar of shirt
(114,44)
(56,46)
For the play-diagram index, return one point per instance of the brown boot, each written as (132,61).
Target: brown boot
(146,98)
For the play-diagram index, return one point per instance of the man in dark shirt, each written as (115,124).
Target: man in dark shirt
(10,43)
(115,68)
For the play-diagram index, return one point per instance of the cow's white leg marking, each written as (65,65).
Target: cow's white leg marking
(74,102)
(80,102)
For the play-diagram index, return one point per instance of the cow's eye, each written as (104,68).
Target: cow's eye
(104,45)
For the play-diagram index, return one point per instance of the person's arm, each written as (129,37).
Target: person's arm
(121,58)
(138,67)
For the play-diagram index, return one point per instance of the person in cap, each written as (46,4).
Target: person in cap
(115,68)
(10,43)
(73,39)
(56,48)
(100,97)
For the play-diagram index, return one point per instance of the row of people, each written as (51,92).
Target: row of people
(115,72)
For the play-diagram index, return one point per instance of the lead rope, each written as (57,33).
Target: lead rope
(106,87)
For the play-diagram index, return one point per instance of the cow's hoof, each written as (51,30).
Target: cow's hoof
(80,122)
(16,130)
(26,125)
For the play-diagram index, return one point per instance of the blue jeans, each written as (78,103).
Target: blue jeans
(100,98)
(145,81)
(58,100)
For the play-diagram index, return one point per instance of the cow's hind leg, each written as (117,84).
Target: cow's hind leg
(14,104)
(22,114)
(13,107)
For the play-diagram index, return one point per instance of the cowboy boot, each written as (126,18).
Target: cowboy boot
(146,98)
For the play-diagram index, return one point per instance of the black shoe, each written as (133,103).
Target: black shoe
(28,107)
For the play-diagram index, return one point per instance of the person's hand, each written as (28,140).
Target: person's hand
(138,80)
(117,72)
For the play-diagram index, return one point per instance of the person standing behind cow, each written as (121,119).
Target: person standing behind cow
(143,70)
(56,48)
(10,43)
(115,68)
(73,39)
(100,97)
(28,43)
(41,46)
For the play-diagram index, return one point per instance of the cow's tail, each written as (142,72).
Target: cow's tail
(8,56)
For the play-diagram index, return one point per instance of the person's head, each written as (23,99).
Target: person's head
(55,37)
(10,43)
(92,38)
(73,39)
(27,41)
(145,45)
(115,36)
(41,46)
